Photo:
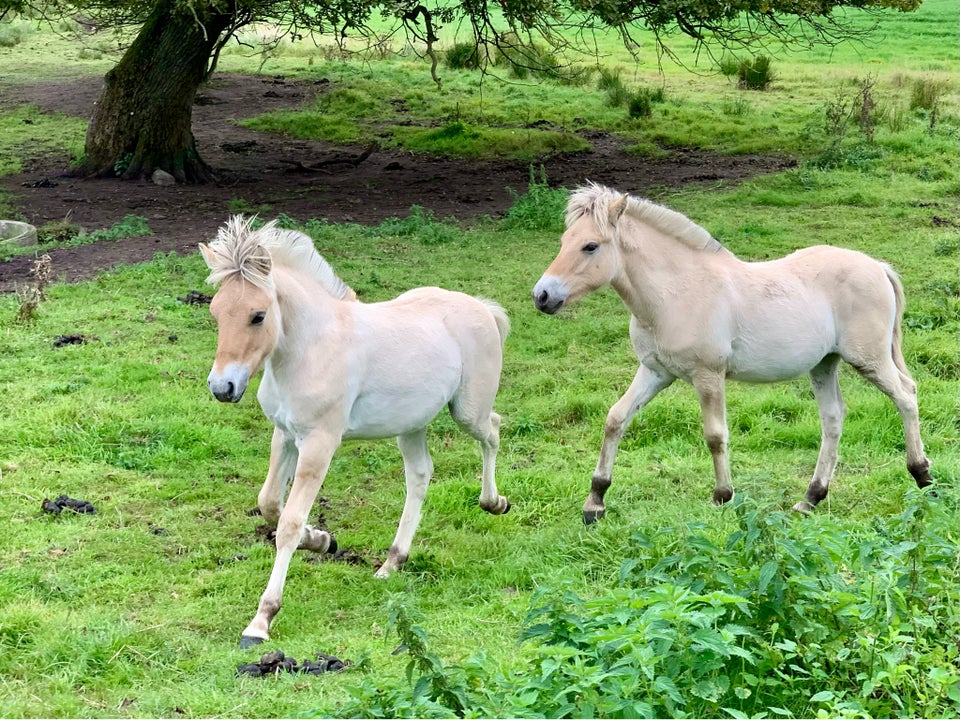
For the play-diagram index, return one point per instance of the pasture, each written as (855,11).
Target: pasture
(669,606)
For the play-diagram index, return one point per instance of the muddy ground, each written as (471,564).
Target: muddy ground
(271,170)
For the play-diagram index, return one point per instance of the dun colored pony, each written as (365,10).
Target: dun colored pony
(702,315)
(337,369)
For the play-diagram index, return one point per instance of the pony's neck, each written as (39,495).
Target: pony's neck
(658,269)
(307,309)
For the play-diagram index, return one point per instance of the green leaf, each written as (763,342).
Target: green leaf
(666,685)
(710,639)
(823,696)
(767,573)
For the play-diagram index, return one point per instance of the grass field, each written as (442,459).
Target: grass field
(668,607)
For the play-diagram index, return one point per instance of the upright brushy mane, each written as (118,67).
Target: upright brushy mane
(250,254)
(595,200)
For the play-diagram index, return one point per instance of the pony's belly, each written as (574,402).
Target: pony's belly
(773,363)
(384,415)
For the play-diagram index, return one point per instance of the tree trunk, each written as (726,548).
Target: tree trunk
(142,120)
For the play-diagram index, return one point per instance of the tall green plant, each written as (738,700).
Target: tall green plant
(540,208)
(782,615)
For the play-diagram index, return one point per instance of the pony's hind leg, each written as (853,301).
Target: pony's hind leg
(490,498)
(896,383)
(417,467)
(646,384)
(826,390)
(484,427)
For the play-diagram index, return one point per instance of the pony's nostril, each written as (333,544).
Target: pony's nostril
(230,389)
(543,297)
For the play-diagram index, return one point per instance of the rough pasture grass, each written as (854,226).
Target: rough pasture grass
(135,611)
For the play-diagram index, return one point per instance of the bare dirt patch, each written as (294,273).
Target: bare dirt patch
(270,170)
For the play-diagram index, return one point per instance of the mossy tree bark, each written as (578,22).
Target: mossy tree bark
(142,121)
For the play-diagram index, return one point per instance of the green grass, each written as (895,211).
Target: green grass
(125,620)
(135,611)
(25,131)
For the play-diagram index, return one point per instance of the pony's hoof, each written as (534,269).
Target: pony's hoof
(249,641)
(591,516)
(722,495)
(318,541)
(921,473)
(500,507)
(803,507)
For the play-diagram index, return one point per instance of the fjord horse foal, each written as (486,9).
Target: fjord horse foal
(702,315)
(337,369)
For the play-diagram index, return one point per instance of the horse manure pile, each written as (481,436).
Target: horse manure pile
(55,507)
(276,662)
(62,340)
(195,297)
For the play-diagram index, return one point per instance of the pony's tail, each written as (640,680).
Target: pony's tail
(900,306)
(500,316)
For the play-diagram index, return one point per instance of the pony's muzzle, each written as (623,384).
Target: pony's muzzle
(229,385)
(549,295)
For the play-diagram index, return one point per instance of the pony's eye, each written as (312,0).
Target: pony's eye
(258,317)
(590,247)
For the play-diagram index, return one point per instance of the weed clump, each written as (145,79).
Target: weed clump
(525,59)
(29,297)
(540,208)
(462,56)
(638,104)
(756,73)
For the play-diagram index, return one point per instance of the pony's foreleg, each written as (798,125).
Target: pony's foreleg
(283,464)
(417,467)
(826,390)
(646,384)
(316,450)
(712,395)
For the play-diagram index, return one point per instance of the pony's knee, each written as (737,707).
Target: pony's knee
(615,422)
(716,441)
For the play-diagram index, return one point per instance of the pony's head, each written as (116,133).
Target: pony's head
(245,307)
(603,224)
(589,255)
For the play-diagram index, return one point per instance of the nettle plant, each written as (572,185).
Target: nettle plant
(788,616)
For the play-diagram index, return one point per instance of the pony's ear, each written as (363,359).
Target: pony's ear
(208,256)
(616,208)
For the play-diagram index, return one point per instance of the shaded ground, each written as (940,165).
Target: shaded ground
(270,170)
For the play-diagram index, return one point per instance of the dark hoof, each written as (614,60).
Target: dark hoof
(333,545)
(722,496)
(507,508)
(591,516)
(248,641)
(921,474)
